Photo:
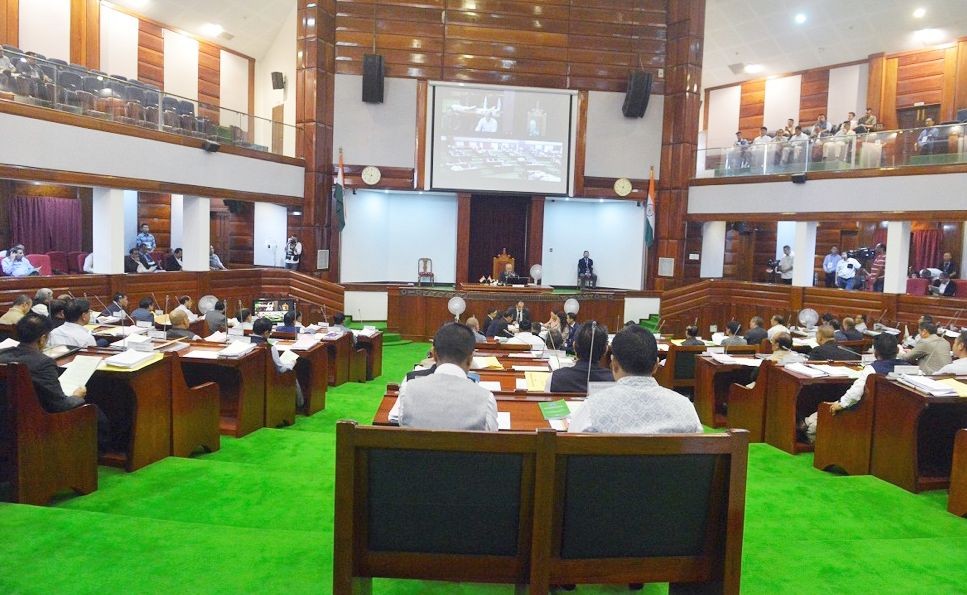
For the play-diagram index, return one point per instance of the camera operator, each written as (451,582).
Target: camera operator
(784,267)
(847,271)
(293,253)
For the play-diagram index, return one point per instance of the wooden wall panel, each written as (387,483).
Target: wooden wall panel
(960,94)
(86,33)
(10,22)
(151,54)
(556,43)
(209,80)
(920,78)
(155,210)
(752,107)
(241,241)
(813,95)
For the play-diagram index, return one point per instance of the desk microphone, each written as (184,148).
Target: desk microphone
(587,382)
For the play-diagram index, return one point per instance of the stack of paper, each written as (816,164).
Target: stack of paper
(503,420)
(217,337)
(805,370)
(369,331)
(529,368)
(839,371)
(128,359)
(491,386)
(523,355)
(8,343)
(928,385)
(520,384)
(78,372)
(289,358)
(485,363)
(108,319)
(723,358)
(202,354)
(134,342)
(236,349)
(536,381)
(805,343)
(959,387)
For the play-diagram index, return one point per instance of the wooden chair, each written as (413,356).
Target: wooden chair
(747,406)
(449,506)
(500,261)
(279,394)
(194,414)
(44,453)
(957,499)
(845,440)
(678,371)
(632,509)
(424,271)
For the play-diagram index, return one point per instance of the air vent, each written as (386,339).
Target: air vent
(226,36)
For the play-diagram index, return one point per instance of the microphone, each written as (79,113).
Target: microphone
(587,381)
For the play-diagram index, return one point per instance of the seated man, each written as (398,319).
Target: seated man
(531,336)
(173,262)
(56,308)
(942,286)
(145,310)
(931,352)
(41,300)
(245,318)
(447,399)
(586,276)
(72,333)
(828,350)
(928,141)
(636,404)
(15,264)
(778,327)
(119,302)
(591,342)
(732,336)
(488,322)
(338,322)
(885,350)
(507,275)
(214,262)
(848,332)
(179,326)
(474,325)
(261,329)
(500,326)
(216,319)
(756,333)
(522,316)
(691,336)
(184,305)
(21,305)
(959,365)
(144,256)
(33,331)
(132,263)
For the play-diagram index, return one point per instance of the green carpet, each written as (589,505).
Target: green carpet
(257,516)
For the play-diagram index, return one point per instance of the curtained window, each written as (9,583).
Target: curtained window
(45,224)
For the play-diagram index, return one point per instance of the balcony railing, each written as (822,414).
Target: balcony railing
(31,79)
(936,145)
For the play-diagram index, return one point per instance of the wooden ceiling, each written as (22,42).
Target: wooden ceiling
(574,44)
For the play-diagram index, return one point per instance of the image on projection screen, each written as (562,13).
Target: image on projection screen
(502,140)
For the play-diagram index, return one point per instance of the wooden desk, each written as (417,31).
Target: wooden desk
(789,398)
(712,382)
(525,414)
(312,373)
(913,436)
(141,398)
(241,383)
(508,289)
(339,351)
(374,354)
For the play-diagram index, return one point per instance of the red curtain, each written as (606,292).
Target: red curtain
(926,249)
(45,224)
(879,236)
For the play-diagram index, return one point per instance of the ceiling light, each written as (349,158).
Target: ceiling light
(929,36)
(800,18)
(211,30)
(753,68)
(919,13)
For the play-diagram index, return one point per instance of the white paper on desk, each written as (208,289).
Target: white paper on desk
(78,372)
(838,371)
(523,355)
(236,349)
(530,368)
(394,413)
(125,331)
(237,331)
(520,384)
(217,337)
(130,342)
(663,347)
(805,370)
(561,424)
(128,359)
(751,362)
(805,342)
(723,358)
(8,343)
(202,354)
(928,385)
(503,420)
(491,386)
(305,342)
(289,358)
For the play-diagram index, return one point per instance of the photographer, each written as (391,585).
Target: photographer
(846,272)
(293,253)
(784,267)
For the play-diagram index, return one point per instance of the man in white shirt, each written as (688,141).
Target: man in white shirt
(763,137)
(636,404)
(778,327)
(447,399)
(72,333)
(959,365)
(846,270)
(796,147)
(41,298)
(838,147)
(830,262)
(784,267)
(89,263)
(531,337)
(184,305)
(488,123)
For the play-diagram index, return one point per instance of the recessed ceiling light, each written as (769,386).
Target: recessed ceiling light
(753,68)
(800,18)
(919,13)
(211,30)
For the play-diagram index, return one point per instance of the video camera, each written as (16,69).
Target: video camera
(861,254)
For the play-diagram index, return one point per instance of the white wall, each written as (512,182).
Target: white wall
(847,92)
(375,133)
(620,147)
(177,219)
(613,231)
(782,101)
(119,43)
(366,305)
(45,28)
(388,232)
(723,116)
(181,65)
(785,236)
(233,89)
(933,192)
(131,223)
(28,142)
(270,234)
(639,308)
(281,57)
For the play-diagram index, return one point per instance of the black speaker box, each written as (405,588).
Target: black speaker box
(372,78)
(639,91)
(798,178)
(278,81)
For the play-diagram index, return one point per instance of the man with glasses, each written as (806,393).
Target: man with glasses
(15,264)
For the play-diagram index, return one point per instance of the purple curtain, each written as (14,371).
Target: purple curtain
(926,249)
(45,224)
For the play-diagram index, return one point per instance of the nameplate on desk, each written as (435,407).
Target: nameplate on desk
(236,331)
(161,335)
(910,370)
(144,324)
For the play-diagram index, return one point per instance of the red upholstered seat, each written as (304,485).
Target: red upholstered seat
(961,287)
(42,262)
(917,286)
(58,263)
(75,264)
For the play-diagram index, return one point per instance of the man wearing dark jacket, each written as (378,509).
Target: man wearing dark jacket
(828,350)
(590,342)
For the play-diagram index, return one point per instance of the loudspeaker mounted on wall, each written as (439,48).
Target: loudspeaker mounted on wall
(322,260)
(637,95)
(372,78)
(278,81)
(798,178)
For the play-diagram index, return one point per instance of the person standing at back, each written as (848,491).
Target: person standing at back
(293,253)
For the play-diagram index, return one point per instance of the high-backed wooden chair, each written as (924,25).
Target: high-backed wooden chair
(43,453)
(358,358)
(747,406)
(500,261)
(845,440)
(279,394)
(424,271)
(658,517)
(429,505)
(957,499)
(194,414)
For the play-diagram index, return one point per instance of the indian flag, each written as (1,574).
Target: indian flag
(339,206)
(650,211)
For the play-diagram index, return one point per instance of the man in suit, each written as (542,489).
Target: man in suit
(33,330)
(848,332)
(828,350)
(931,352)
(499,326)
(571,326)
(173,262)
(507,274)
(586,274)
(943,286)
(522,316)
(590,342)
(447,399)
(948,265)
(488,322)
(756,333)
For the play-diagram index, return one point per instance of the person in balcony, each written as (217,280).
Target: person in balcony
(15,264)
(867,122)
(928,141)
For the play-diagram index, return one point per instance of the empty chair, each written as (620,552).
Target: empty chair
(93,85)
(58,262)
(11,48)
(118,77)
(75,262)
(58,62)
(41,262)
(71,80)
(424,270)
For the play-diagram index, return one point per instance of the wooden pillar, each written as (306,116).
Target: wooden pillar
(315,80)
(463,238)
(960,96)
(685,21)
(86,33)
(10,22)
(535,231)
(874,84)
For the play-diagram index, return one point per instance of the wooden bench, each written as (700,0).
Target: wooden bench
(43,453)
(957,499)
(533,508)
